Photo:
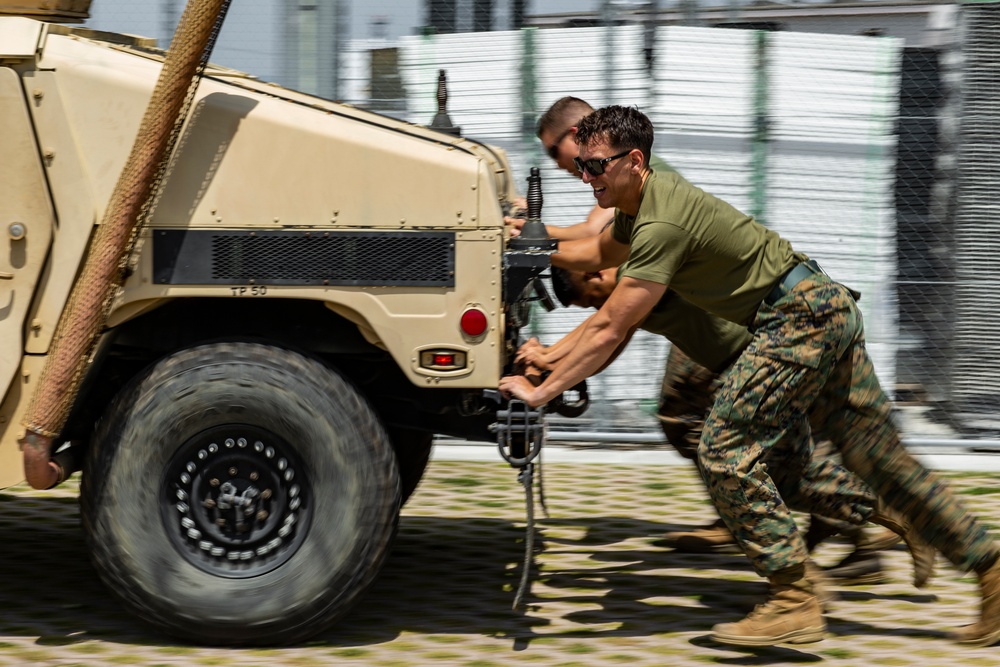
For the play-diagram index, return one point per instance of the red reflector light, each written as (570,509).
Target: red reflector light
(474,322)
(444,359)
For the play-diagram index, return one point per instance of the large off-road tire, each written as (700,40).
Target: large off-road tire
(413,452)
(240,493)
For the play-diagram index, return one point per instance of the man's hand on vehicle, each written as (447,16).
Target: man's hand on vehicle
(520,387)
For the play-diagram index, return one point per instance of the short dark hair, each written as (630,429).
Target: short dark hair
(566,290)
(564,113)
(623,128)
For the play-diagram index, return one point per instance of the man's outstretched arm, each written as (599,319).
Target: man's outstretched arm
(603,334)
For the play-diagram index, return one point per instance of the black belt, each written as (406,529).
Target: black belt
(793,277)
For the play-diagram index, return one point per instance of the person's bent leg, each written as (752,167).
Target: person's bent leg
(738,434)
(856,417)
(686,395)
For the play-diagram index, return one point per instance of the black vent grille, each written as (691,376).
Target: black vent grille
(204,257)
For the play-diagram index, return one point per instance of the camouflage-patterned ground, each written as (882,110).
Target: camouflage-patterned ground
(605,593)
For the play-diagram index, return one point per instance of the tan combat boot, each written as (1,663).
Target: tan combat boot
(986,631)
(790,615)
(821,585)
(923,554)
(714,538)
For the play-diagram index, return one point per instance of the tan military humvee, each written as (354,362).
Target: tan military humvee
(319,290)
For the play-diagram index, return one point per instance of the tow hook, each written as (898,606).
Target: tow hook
(520,434)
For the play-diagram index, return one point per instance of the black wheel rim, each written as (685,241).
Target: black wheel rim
(236,501)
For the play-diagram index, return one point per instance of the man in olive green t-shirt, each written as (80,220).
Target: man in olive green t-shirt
(807,359)
(688,386)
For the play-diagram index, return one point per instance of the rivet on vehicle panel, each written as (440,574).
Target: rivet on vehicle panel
(38,93)
(402,221)
(49,153)
(459,214)
(36,324)
(276,221)
(16,231)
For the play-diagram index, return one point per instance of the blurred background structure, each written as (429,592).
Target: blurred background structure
(865,132)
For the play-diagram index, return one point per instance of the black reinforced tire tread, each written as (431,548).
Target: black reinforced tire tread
(350,462)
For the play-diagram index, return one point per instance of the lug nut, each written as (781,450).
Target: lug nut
(209,503)
(262,515)
(254,477)
(265,494)
(213,482)
(233,471)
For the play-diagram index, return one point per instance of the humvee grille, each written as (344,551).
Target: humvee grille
(206,257)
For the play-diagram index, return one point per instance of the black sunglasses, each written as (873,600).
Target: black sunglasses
(595,165)
(553,150)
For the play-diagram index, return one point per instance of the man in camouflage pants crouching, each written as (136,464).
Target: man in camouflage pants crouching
(807,359)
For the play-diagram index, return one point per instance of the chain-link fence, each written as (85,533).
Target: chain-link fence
(872,155)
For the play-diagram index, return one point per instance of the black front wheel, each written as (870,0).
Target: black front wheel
(240,493)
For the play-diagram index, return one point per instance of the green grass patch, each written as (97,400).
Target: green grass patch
(658,486)
(351,652)
(980,490)
(462,481)
(839,653)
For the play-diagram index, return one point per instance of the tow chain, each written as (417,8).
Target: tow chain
(520,435)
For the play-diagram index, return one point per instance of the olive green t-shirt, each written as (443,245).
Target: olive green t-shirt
(709,340)
(656,163)
(714,256)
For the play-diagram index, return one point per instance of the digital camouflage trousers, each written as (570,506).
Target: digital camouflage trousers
(808,360)
(807,484)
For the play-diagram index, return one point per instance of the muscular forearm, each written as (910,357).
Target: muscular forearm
(581,361)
